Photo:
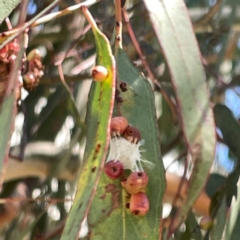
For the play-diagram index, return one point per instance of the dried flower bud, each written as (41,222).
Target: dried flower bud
(139,204)
(34,54)
(29,81)
(118,125)
(13,48)
(132,134)
(99,73)
(136,182)
(113,169)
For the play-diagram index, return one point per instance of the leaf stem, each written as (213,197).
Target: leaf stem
(118,24)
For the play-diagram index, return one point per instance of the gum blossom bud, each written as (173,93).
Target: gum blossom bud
(136,182)
(132,134)
(99,73)
(118,125)
(139,204)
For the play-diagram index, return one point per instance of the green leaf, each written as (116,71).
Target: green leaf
(192,228)
(108,210)
(229,127)
(6,116)
(232,230)
(215,181)
(6,7)
(98,118)
(174,31)
(219,222)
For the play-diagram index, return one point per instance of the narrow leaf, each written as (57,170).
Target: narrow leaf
(219,222)
(98,118)
(6,116)
(232,230)
(175,34)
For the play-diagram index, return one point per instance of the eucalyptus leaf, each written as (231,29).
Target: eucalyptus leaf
(172,26)
(6,7)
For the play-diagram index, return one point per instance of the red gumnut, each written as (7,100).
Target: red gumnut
(113,169)
(139,204)
(136,182)
(118,125)
(132,134)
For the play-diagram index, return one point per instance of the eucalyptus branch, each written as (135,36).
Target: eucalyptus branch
(8,36)
(55,79)
(40,160)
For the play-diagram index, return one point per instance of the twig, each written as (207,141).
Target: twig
(206,18)
(172,144)
(69,52)
(40,199)
(10,35)
(9,25)
(7,37)
(118,26)
(182,154)
(150,74)
(179,191)
(56,79)
(23,12)
(75,112)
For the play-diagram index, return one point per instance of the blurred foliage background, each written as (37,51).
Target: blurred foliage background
(47,144)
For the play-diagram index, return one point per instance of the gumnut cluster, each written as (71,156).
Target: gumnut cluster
(31,69)
(124,154)
(8,55)
(34,70)
(135,185)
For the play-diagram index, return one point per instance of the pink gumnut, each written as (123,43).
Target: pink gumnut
(139,204)
(118,125)
(136,182)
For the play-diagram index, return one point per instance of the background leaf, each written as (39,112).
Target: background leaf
(174,32)
(232,230)
(6,7)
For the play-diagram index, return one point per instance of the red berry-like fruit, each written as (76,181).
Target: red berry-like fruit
(113,169)
(139,204)
(99,73)
(118,125)
(13,47)
(136,182)
(132,134)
